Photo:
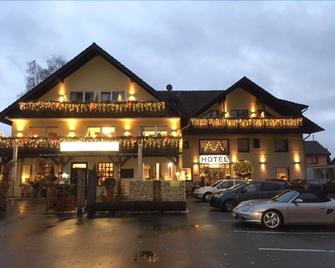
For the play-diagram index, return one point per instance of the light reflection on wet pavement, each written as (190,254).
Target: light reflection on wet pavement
(202,238)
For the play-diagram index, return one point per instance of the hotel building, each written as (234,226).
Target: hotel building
(96,112)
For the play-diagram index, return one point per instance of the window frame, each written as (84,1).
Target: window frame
(106,92)
(209,153)
(83,98)
(312,162)
(238,145)
(285,150)
(100,181)
(288,173)
(118,92)
(239,112)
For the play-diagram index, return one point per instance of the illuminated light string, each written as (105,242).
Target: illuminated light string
(218,147)
(125,142)
(246,123)
(98,107)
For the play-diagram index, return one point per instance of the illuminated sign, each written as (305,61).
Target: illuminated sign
(214,159)
(94,146)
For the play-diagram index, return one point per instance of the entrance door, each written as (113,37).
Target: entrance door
(79,179)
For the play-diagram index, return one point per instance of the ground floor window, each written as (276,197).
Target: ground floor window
(25,173)
(127,173)
(283,173)
(105,171)
(213,174)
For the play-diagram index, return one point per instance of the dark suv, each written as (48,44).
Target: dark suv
(227,200)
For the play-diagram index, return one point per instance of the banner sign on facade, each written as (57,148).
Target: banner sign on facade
(214,159)
(96,146)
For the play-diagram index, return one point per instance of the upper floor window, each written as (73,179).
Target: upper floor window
(49,132)
(242,113)
(116,96)
(80,96)
(281,145)
(257,143)
(243,145)
(214,146)
(106,96)
(94,132)
(312,159)
(212,114)
(154,131)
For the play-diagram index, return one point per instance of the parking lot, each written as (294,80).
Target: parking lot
(204,237)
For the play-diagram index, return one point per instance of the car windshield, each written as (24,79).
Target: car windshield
(237,185)
(285,197)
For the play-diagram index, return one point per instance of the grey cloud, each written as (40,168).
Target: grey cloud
(288,48)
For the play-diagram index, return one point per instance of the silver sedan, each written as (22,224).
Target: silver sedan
(289,207)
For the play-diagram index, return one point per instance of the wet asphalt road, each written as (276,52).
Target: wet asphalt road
(202,238)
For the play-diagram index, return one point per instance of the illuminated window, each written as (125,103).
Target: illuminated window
(154,131)
(105,171)
(214,146)
(94,132)
(25,173)
(52,132)
(282,173)
(36,132)
(118,96)
(243,145)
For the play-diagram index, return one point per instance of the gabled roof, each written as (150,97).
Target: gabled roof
(314,147)
(284,107)
(73,65)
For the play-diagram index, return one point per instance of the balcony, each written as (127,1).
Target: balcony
(56,109)
(152,146)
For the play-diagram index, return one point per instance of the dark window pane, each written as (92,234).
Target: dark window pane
(281,145)
(239,113)
(256,143)
(76,96)
(243,145)
(105,96)
(118,96)
(89,96)
(186,144)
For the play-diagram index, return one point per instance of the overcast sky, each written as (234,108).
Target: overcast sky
(286,47)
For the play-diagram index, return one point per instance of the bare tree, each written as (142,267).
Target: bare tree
(35,73)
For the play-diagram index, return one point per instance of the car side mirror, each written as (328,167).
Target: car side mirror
(298,200)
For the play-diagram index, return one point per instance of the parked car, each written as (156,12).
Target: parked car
(229,199)
(330,186)
(279,180)
(289,207)
(205,193)
(308,184)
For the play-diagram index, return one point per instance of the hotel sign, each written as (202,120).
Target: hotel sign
(214,159)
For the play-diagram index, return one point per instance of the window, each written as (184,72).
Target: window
(52,132)
(252,187)
(105,171)
(25,173)
(212,114)
(281,145)
(214,146)
(76,96)
(36,132)
(256,143)
(226,184)
(312,159)
(127,173)
(239,113)
(282,173)
(106,96)
(118,96)
(94,132)
(80,96)
(154,131)
(243,145)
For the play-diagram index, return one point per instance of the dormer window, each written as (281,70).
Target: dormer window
(212,114)
(242,113)
(115,96)
(118,96)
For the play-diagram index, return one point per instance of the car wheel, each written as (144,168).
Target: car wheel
(206,197)
(229,205)
(272,219)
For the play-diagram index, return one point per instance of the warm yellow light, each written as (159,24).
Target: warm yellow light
(72,124)
(175,133)
(131,98)
(262,114)
(62,98)
(296,158)
(234,158)
(170,164)
(72,134)
(20,124)
(81,146)
(262,159)
(127,124)
(79,165)
(19,134)
(108,130)
(61,90)
(127,133)
(263,167)
(174,123)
